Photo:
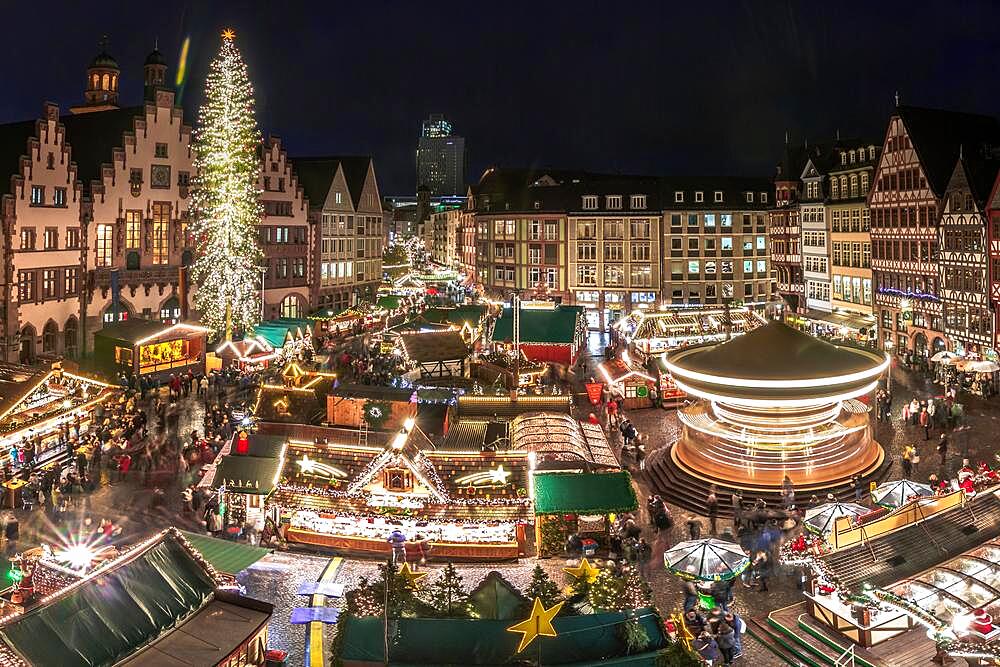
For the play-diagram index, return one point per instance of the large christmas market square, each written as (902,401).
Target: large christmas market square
(401,334)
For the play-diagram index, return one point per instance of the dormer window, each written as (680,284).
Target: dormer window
(678,197)
(749,197)
(843,157)
(717,196)
(851,158)
(338,198)
(699,196)
(613,202)
(871,152)
(538,205)
(638,202)
(589,202)
(763,197)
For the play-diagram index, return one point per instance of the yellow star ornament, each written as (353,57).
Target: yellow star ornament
(539,624)
(229,34)
(584,571)
(411,577)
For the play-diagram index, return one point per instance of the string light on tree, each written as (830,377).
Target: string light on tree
(225,201)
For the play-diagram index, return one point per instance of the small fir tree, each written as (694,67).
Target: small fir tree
(605,592)
(635,591)
(447,595)
(542,587)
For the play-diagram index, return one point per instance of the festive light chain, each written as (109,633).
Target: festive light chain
(923,296)
(364,495)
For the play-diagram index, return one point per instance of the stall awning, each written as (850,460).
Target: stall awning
(248,474)
(584,493)
(388,302)
(278,332)
(851,321)
(225,556)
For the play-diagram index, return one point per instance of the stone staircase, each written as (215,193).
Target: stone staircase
(798,639)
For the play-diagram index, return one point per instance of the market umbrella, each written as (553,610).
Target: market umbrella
(945,357)
(983,367)
(706,560)
(894,494)
(821,519)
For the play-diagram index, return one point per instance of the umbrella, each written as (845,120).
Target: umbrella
(895,494)
(983,367)
(821,519)
(945,357)
(706,560)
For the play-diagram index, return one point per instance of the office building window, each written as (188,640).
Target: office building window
(161,229)
(103,244)
(614,275)
(586,251)
(586,274)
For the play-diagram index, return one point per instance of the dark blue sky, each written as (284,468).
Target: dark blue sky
(657,87)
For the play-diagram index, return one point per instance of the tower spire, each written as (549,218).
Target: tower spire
(897,98)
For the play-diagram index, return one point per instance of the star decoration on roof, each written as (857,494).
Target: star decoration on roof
(228,34)
(584,571)
(538,624)
(306,464)
(411,577)
(499,476)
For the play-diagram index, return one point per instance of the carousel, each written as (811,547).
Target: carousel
(774,405)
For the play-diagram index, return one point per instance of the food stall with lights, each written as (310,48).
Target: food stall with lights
(41,407)
(547,332)
(245,473)
(648,334)
(250,353)
(143,347)
(344,492)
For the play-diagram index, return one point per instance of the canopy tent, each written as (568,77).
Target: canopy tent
(899,492)
(224,555)
(282,330)
(706,560)
(821,519)
(584,493)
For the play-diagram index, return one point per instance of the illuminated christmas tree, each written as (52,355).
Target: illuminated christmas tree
(224,200)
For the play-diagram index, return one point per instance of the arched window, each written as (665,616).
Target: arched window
(106,82)
(835,188)
(854,185)
(69,338)
(49,336)
(114,82)
(27,344)
(93,82)
(170,311)
(290,306)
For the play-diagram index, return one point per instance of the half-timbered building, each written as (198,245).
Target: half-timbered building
(783,229)
(963,266)
(918,158)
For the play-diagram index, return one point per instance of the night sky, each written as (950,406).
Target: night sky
(631,87)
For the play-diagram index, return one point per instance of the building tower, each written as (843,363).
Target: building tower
(102,81)
(154,73)
(441,158)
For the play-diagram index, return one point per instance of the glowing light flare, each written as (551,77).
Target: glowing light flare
(775,402)
(754,383)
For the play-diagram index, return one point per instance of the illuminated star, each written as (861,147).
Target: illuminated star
(584,571)
(228,34)
(306,464)
(538,624)
(499,476)
(411,576)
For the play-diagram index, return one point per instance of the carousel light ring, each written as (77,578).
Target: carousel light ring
(774,402)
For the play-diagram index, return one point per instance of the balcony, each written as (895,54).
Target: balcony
(151,276)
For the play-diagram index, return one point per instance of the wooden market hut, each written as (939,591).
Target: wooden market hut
(161,603)
(554,333)
(144,347)
(437,354)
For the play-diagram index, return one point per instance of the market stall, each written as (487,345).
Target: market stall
(250,353)
(437,355)
(631,384)
(578,503)
(38,410)
(289,337)
(649,334)
(143,347)
(548,332)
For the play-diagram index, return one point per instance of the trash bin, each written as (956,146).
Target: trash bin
(275,658)
(589,546)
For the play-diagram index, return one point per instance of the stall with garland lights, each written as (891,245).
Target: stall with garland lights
(289,337)
(143,347)
(346,493)
(157,602)
(649,334)
(247,354)
(544,331)
(434,355)
(40,407)
(244,474)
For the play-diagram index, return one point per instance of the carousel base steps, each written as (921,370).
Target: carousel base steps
(777,644)
(679,487)
(907,551)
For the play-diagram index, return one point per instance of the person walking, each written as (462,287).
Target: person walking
(397,540)
(644,556)
(712,505)
(907,461)
(726,639)
(942,448)
(737,504)
(925,423)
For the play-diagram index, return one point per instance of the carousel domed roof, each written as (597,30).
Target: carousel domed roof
(775,359)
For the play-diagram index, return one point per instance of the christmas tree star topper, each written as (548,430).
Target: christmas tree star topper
(584,571)
(229,34)
(538,624)
(411,577)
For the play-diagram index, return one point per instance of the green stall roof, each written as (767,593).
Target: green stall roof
(538,325)
(107,618)
(584,493)
(240,473)
(388,302)
(276,331)
(471,313)
(225,556)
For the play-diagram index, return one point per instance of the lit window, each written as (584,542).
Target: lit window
(48,283)
(37,195)
(161,230)
(59,197)
(133,229)
(105,236)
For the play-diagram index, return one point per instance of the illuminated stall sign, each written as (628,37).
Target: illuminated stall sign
(163,355)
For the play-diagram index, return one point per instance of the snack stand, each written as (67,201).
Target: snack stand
(143,347)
